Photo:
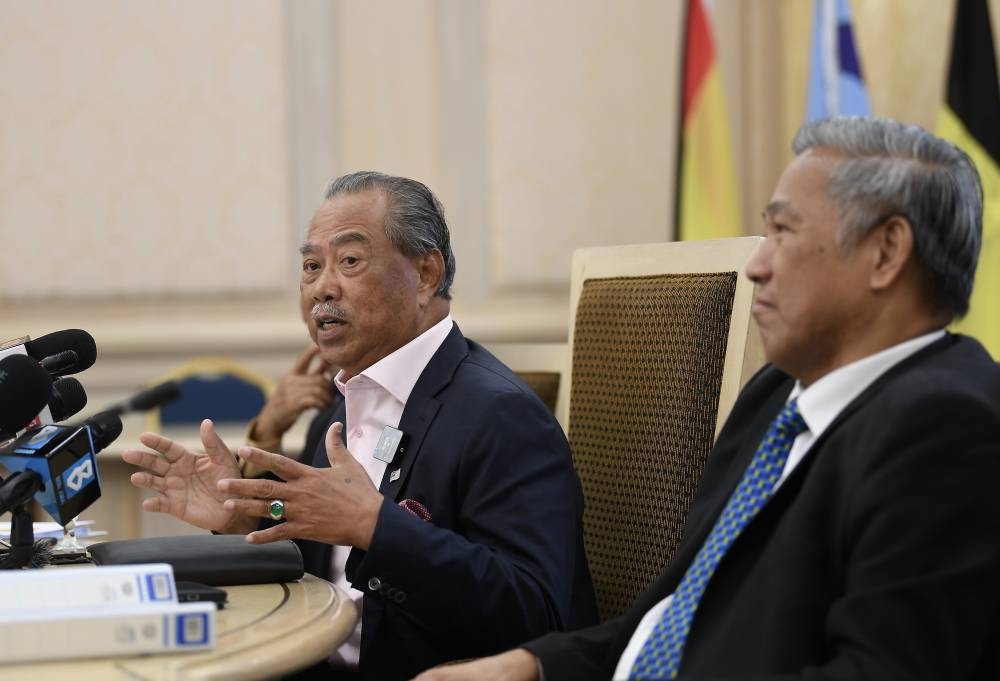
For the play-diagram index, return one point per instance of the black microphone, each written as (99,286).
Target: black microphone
(77,340)
(25,389)
(60,363)
(68,398)
(65,458)
(151,398)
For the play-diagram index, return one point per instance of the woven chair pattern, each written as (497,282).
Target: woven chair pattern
(648,355)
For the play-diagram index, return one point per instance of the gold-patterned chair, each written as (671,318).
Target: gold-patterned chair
(660,343)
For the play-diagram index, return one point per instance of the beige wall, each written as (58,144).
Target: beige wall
(142,149)
(158,161)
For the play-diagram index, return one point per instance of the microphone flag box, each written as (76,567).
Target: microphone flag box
(93,632)
(64,457)
(105,588)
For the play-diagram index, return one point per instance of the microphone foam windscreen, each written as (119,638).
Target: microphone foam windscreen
(77,340)
(104,427)
(25,388)
(68,398)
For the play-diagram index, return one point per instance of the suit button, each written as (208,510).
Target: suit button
(374,584)
(399,596)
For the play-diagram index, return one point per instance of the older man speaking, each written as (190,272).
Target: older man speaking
(453,506)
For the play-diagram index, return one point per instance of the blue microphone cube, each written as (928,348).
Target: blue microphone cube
(64,457)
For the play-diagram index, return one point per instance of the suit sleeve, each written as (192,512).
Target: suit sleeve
(501,572)
(576,656)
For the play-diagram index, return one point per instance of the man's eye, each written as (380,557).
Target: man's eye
(310,266)
(350,260)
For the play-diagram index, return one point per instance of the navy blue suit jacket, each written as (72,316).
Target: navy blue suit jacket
(501,560)
(878,558)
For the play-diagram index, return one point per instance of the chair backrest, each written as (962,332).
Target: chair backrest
(217,388)
(661,342)
(540,365)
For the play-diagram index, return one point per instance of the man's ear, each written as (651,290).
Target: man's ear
(892,248)
(430,269)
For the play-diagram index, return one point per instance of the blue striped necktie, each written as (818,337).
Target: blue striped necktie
(660,655)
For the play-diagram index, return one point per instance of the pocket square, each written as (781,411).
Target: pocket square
(416,508)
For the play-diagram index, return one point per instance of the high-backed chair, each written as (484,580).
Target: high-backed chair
(212,387)
(661,341)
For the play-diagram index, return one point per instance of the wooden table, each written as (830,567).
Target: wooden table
(265,631)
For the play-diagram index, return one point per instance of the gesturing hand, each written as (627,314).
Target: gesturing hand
(336,505)
(187,481)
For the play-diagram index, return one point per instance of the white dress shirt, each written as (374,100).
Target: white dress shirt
(373,399)
(819,405)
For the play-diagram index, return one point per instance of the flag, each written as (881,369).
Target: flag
(836,87)
(970,117)
(707,204)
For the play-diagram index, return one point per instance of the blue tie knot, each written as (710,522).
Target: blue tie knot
(789,421)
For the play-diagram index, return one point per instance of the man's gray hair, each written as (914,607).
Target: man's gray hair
(414,220)
(895,169)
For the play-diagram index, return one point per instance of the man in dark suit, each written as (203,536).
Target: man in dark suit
(456,514)
(846,525)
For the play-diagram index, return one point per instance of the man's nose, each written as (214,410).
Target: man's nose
(327,285)
(759,265)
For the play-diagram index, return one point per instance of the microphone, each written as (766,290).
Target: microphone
(67,340)
(68,398)
(151,398)
(65,459)
(25,389)
(60,363)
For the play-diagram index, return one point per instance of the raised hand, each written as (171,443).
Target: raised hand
(187,482)
(305,386)
(336,505)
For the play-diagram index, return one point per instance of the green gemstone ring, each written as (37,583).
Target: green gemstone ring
(276,509)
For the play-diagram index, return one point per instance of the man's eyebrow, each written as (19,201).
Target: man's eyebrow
(344,237)
(780,207)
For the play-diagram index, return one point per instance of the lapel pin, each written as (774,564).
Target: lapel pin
(394,476)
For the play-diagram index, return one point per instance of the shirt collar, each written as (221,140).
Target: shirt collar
(823,401)
(398,371)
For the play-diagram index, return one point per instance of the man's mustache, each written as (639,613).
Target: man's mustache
(326,310)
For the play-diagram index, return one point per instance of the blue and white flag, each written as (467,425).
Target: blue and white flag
(835,84)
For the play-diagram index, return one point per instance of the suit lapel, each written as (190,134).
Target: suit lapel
(794,479)
(421,409)
(746,446)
